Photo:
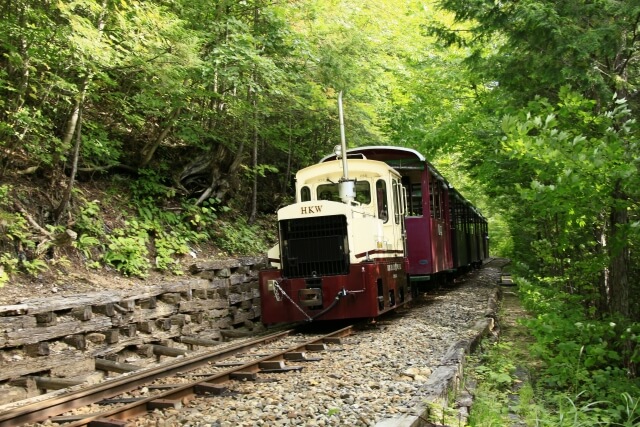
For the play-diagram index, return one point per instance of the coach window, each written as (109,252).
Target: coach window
(432,189)
(416,200)
(305,194)
(381,197)
(435,198)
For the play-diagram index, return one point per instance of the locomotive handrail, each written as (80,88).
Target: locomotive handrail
(404,199)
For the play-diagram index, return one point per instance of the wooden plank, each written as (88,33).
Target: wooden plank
(180,319)
(162,350)
(226,334)
(106,309)
(111,366)
(28,365)
(37,349)
(203,305)
(83,313)
(33,335)
(295,356)
(13,310)
(17,322)
(48,318)
(145,350)
(76,341)
(145,326)
(161,310)
(149,303)
(316,347)
(40,305)
(47,383)
(108,349)
(199,341)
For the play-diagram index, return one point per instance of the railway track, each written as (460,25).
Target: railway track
(174,384)
(388,374)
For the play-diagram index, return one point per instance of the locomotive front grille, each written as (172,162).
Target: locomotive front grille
(313,247)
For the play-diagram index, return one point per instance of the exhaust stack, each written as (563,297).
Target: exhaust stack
(346,186)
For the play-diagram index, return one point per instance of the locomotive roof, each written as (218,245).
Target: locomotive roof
(357,165)
(400,158)
(397,157)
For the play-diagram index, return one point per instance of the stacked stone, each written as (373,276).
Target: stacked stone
(66,338)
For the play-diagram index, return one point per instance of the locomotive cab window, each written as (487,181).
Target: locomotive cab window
(363,192)
(381,197)
(332,192)
(305,194)
(396,201)
(328,192)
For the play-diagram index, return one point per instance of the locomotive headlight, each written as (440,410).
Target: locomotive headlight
(337,150)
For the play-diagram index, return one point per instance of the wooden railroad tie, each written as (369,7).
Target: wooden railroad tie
(164,404)
(277,366)
(208,388)
(316,347)
(107,422)
(120,400)
(243,376)
(300,356)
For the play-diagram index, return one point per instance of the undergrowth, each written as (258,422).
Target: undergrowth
(135,230)
(581,370)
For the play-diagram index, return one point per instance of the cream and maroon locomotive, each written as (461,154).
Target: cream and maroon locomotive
(368,225)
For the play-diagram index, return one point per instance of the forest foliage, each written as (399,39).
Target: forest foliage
(178,112)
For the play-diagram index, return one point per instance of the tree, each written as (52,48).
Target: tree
(525,50)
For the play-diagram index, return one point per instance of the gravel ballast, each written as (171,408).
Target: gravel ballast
(390,375)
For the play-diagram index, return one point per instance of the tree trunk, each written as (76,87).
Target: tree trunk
(619,256)
(149,149)
(254,166)
(62,207)
(603,280)
(618,274)
(285,179)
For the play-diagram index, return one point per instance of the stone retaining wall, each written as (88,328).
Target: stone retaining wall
(60,337)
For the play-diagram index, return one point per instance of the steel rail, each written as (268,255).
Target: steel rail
(42,410)
(187,392)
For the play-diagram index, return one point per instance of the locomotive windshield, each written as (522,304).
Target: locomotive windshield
(331,192)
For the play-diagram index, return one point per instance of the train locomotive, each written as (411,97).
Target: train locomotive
(369,225)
